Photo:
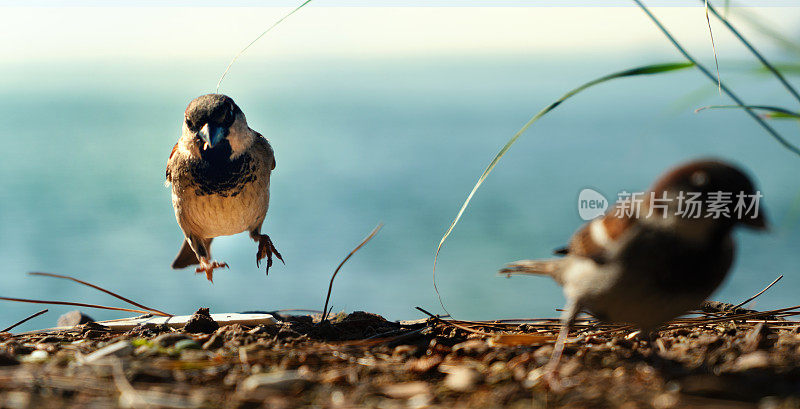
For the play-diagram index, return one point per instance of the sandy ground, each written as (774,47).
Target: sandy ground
(362,360)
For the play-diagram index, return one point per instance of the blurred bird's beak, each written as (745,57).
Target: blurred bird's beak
(759,222)
(211,135)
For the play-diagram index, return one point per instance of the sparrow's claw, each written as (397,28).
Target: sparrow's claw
(208,268)
(267,249)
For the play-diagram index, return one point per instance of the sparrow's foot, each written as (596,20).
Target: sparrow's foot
(208,268)
(266,249)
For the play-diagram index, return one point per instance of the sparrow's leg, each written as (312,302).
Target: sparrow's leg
(567,318)
(202,247)
(208,267)
(265,249)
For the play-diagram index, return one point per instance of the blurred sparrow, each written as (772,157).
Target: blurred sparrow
(649,266)
(219,171)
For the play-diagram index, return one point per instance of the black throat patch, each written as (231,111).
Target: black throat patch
(216,174)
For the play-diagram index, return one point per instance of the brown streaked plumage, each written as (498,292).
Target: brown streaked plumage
(648,269)
(220,173)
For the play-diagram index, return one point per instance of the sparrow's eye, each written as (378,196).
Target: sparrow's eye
(227,116)
(189,124)
(699,179)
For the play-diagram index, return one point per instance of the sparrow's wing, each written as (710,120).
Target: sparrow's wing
(264,150)
(596,239)
(169,162)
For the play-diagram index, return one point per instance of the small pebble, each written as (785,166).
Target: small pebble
(7,359)
(471,347)
(406,390)
(214,342)
(36,356)
(169,339)
(753,360)
(73,318)
(337,398)
(121,348)
(187,344)
(666,401)
(404,350)
(280,381)
(462,379)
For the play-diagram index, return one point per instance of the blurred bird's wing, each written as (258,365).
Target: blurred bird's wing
(597,239)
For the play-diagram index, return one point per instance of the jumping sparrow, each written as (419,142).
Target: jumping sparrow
(219,171)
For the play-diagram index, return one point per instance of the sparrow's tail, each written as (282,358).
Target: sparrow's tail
(186,256)
(551,267)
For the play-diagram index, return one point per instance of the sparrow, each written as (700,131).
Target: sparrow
(649,267)
(219,171)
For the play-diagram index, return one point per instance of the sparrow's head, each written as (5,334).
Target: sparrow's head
(724,196)
(214,122)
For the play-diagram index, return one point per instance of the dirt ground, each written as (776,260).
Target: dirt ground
(362,360)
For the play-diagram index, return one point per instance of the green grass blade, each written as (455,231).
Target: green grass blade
(760,121)
(772,112)
(645,70)
(753,50)
(785,68)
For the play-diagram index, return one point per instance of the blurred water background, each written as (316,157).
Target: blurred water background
(360,138)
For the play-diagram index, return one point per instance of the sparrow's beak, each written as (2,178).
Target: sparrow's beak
(759,222)
(211,135)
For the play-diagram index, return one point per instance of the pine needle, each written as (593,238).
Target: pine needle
(757,294)
(24,320)
(134,303)
(74,304)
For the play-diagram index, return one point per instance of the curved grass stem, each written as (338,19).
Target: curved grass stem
(770,130)
(754,51)
(645,70)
